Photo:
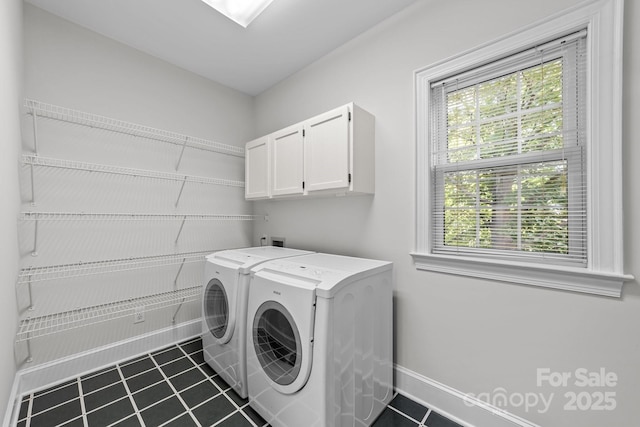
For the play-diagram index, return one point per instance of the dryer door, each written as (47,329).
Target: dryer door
(281,317)
(283,346)
(276,341)
(216,311)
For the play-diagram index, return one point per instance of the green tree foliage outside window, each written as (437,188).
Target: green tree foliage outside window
(509,207)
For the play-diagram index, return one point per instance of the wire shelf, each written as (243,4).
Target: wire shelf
(80,269)
(28,159)
(55,112)
(58,322)
(81,216)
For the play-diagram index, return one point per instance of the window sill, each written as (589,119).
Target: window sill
(565,278)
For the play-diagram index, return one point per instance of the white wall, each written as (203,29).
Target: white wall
(472,335)
(11,78)
(70,66)
(73,67)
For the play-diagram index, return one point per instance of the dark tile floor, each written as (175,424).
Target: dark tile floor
(174,388)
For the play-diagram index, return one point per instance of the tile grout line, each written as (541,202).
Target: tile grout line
(102,372)
(246,405)
(82,406)
(34,397)
(123,380)
(52,388)
(195,385)
(99,389)
(107,404)
(29,411)
(140,373)
(238,407)
(91,375)
(147,387)
(424,420)
(224,419)
(64,423)
(198,365)
(52,407)
(156,383)
(130,416)
(156,403)
(189,342)
(193,417)
(402,413)
(208,378)
(130,395)
(115,423)
(150,356)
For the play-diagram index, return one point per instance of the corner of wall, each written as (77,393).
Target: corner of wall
(11,73)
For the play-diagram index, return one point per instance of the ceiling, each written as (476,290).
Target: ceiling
(286,37)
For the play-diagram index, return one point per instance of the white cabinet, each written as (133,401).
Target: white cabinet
(326,149)
(329,154)
(256,173)
(286,161)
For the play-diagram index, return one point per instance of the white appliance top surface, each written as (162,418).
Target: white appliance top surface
(329,272)
(246,258)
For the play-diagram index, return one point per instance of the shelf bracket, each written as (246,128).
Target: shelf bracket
(181,227)
(35,132)
(173,320)
(30,294)
(180,193)
(175,281)
(29,357)
(33,186)
(35,238)
(184,145)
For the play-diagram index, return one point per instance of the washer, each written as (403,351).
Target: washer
(319,340)
(224,309)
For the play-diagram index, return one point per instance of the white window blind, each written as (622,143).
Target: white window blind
(508,157)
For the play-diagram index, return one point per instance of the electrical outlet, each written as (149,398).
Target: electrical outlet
(138,315)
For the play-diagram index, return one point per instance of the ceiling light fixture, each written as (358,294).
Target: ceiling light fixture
(240,11)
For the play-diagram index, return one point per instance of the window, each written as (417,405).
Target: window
(507,157)
(519,156)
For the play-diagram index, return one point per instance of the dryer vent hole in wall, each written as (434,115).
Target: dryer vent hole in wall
(138,314)
(277,241)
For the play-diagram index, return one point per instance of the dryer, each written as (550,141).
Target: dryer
(319,340)
(224,309)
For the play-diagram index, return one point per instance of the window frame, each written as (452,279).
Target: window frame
(603,273)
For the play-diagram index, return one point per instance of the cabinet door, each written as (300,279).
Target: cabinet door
(326,150)
(256,174)
(287,161)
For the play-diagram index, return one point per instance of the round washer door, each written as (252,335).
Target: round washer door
(277,344)
(216,311)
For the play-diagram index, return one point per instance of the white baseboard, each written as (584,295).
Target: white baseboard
(61,370)
(466,410)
